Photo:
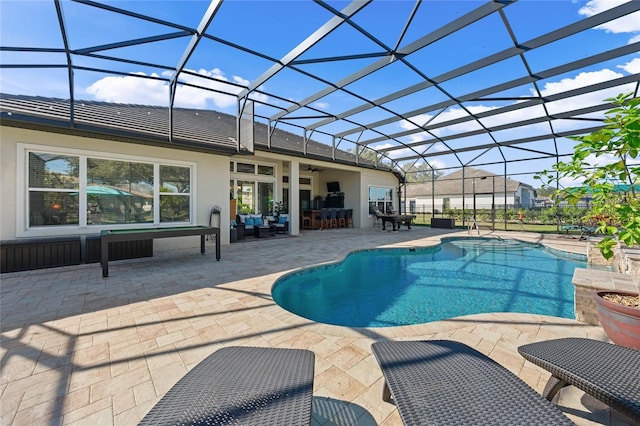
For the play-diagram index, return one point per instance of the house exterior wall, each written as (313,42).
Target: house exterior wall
(369,178)
(210,182)
(483,201)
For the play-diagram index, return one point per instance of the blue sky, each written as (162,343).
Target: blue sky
(274,28)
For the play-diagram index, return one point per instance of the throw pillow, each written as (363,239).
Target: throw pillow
(282,220)
(248,221)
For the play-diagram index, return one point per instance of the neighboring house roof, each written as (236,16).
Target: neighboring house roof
(452,184)
(193,129)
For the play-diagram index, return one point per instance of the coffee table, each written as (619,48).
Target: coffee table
(263,231)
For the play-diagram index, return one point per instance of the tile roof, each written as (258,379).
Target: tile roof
(451,184)
(195,129)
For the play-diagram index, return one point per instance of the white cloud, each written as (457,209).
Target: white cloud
(587,99)
(450,114)
(634,39)
(132,89)
(321,105)
(633,66)
(627,24)
(549,88)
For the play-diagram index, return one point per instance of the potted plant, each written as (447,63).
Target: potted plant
(612,187)
(278,208)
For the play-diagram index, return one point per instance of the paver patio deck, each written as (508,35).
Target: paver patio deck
(79,349)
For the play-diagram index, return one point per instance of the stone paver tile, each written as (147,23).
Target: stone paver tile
(134,415)
(9,407)
(150,331)
(507,358)
(102,417)
(161,357)
(117,337)
(115,385)
(144,392)
(325,347)
(163,379)
(348,356)
(366,371)
(125,400)
(38,414)
(169,339)
(58,400)
(17,366)
(83,378)
(371,400)
(92,355)
(339,384)
(41,383)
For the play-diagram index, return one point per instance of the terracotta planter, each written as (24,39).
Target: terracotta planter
(621,323)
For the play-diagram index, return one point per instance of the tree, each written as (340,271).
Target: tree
(613,185)
(421,172)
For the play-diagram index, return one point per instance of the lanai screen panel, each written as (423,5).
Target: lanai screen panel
(450,83)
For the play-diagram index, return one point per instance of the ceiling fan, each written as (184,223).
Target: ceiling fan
(310,168)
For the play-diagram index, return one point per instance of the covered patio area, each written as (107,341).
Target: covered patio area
(79,349)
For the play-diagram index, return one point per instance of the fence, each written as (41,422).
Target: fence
(500,215)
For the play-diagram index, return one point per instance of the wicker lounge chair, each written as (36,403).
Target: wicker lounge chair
(607,372)
(442,382)
(241,385)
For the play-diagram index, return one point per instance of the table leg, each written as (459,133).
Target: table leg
(202,243)
(218,246)
(104,256)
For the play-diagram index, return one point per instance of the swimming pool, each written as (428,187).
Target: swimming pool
(401,286)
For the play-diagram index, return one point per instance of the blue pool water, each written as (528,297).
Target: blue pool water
(391,287)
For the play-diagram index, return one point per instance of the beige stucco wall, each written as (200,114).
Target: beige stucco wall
(374,178)
(211,182)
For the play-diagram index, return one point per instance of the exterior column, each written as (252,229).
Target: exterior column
(294,197)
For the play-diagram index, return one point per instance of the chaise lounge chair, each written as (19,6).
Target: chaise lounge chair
(241,385)
(607,372)
(442,382)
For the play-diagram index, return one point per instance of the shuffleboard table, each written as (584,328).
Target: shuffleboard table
(396,220)
(111,235)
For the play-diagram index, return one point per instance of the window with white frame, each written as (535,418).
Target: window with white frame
(253,185)
(381,199)
(88,190)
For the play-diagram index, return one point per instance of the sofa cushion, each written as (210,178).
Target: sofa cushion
(243,218)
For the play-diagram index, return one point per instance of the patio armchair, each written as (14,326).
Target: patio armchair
(282,224)
(443,382)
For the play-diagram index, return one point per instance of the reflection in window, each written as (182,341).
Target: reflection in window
(265,198)
(251,201)
(116,191)
(265,170)
(175,187)
(246,168)
(119,192)
(380,199)
(245,192)
(53,189)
